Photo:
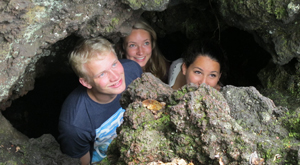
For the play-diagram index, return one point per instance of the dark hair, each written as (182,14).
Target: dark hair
(209,49)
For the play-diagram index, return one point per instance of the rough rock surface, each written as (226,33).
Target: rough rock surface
(157,5)
(28,31)
(274,24)
(16,148)
(281,84)
(200,124)
(29,28)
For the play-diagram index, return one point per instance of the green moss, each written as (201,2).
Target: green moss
(294,85)
(158,2)
(274,7)
(269,5)
(115,21)
(135,4)
(111,26)
(177,95)
(159,124)
(268,154)
(187,147)
(105,161)
(191,27)
(280,12)
(240,144)
(108,29)
(291,121)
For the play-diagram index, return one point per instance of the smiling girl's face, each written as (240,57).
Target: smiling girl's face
(203,70)
(139,47)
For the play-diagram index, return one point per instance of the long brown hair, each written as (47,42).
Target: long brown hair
(157,64)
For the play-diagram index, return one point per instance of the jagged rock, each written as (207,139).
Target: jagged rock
(274,24)
(28,28)
(16,148)
(148,88)
(158,5)
(281,84)
(195,19)
(30,31)
(202,125)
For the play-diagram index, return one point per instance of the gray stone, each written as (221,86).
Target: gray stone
(200,124)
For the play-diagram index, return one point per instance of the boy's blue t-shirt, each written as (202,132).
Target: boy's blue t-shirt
(86,125)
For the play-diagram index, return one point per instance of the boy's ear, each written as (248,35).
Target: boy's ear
(85,83)
(183,68)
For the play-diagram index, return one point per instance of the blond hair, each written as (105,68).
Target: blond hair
(88,49)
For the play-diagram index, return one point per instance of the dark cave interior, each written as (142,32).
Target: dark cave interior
(37,112)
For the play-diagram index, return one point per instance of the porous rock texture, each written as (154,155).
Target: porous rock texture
(30,28)
(275,23)
(202,125)
(275,26)
(16,148)
(158,5)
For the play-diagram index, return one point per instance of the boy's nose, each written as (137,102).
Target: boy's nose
(114,75)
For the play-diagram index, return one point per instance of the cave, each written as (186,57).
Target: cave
(37,112)
(250,46)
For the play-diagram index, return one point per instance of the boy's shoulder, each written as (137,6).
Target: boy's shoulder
(129,63)
(132,70)
(131,67)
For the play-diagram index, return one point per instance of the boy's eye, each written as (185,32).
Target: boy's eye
(102,74)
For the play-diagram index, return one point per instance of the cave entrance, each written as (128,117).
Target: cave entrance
(37,112)
(245,57)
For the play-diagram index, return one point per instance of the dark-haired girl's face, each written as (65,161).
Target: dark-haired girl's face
(203,70)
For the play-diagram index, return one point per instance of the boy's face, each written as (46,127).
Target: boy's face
(106,76)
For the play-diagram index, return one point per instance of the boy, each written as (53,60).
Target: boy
(92,112)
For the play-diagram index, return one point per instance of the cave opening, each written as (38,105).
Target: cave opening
(37,112)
